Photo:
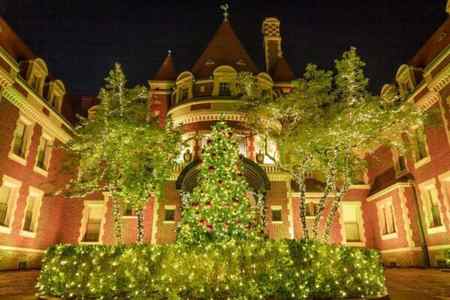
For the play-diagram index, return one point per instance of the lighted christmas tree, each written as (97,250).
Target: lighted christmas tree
(220,207)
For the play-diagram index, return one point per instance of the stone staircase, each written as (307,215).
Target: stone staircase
(17,282)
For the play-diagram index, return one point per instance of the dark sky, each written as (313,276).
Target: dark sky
(80,40)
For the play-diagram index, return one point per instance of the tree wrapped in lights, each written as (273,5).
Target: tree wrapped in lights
(121,150)
(220,207)
(326,125)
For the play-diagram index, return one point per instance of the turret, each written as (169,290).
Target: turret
(161,87)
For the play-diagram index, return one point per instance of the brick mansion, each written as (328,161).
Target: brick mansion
(401,207)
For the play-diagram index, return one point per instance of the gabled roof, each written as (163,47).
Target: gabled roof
(225,48)
(282,71)
(167,70)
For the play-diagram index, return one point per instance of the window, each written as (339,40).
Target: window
(92,222)
(399,162)
(276,214)
(20,139)
(5,211)
(36,83)
(351,213)
(388,218)
(432,209)
(184,94)
(420,144)
(271,149)
(224,89)
(32,210)
(9,192)
(169,214)
(243,146)
(44,153)
(312,209)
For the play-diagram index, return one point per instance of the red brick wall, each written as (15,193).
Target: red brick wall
(51,208)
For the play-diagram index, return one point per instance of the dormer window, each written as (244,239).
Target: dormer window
(35,83)
(184,86)
(56,94)
(406,80)
(184,94)
(224,89)
(36,74)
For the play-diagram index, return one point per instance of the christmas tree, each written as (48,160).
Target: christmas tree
(220,208)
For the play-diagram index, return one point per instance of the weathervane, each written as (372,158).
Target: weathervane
(225,7)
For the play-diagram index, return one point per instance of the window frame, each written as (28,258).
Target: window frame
(396,156)
(276,208)
(14,195)
(224,86)
(426,189)
(38,195)
(417,137)
(29,130)
(84,221)
(47,159)
(170,208)
(382,219)
(360,222)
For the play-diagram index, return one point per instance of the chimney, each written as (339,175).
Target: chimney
(272,42)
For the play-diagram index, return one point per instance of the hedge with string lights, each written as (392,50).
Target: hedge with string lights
(265,269)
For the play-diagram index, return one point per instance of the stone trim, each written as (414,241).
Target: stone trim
(14,248)
(388,190)
(406,219)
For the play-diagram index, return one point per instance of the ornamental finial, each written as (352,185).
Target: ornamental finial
(225,7)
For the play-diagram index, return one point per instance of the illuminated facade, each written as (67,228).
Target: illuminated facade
(401,207)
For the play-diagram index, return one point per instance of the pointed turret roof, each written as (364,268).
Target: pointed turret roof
(282,71)
(167,70)
(225,48)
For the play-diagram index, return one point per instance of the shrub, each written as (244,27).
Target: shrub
(268,269)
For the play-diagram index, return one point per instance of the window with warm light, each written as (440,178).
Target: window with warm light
(21,138)
(432,209)
(44,153)
(5,205)
(388,220)
(93,222)
(31,217)
(352,222)
(9,192)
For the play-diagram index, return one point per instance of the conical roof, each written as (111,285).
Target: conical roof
(282,71)
(167,70)
(225,48)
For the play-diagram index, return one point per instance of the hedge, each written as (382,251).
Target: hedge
(286,269)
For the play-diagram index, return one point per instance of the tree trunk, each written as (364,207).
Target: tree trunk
(330,218)
(140,226)
(330,186)
(116,211)
(302,190)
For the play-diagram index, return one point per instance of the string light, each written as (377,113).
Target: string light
(261,269)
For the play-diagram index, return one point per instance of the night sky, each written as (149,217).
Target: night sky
(80,40)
